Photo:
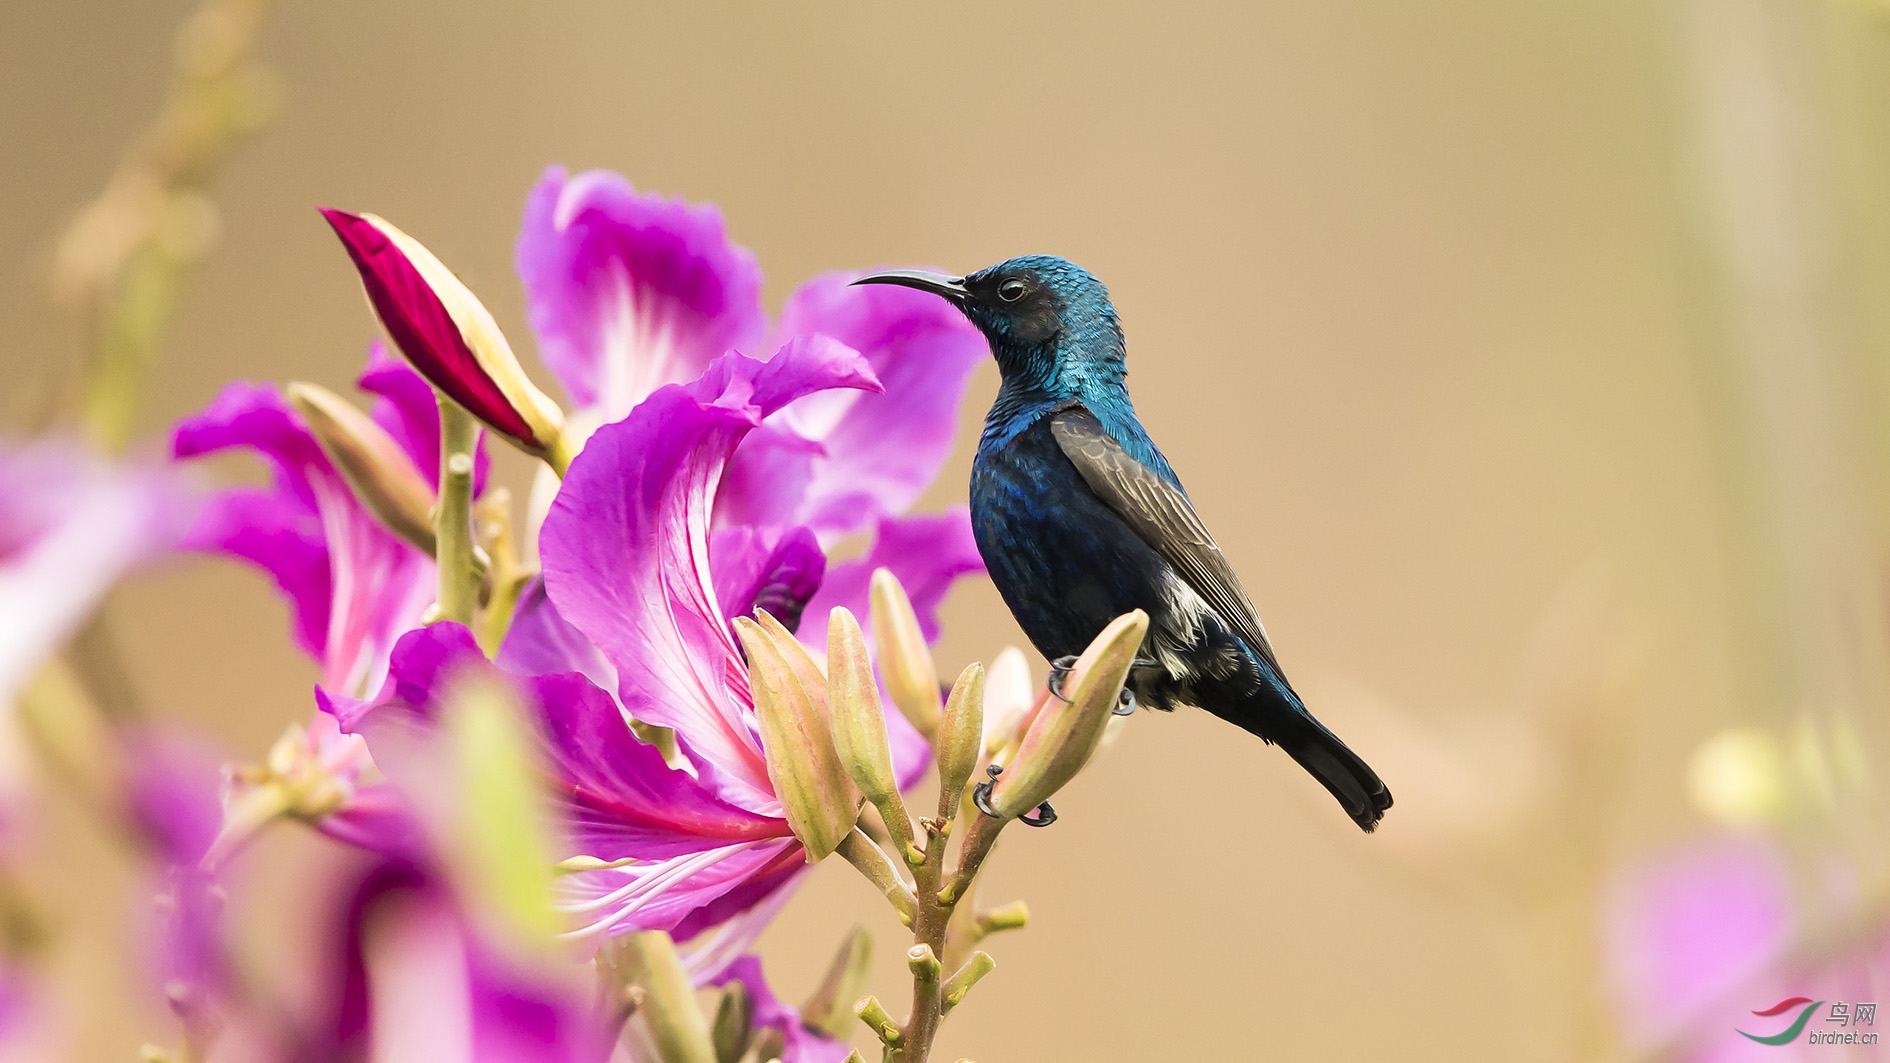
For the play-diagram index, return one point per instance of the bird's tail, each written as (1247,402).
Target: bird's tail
(1350,779)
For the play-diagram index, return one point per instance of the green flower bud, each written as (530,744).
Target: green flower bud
(501,829)
(734,1016)
(960,738)
(381,474)
(829,1008)
(820,802)
(859,725)
(859,721)
(1063,736)
(904,661)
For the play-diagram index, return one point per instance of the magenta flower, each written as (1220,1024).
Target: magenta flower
(706,503)
(397,966)
(634,616)
(352,586)
(629,292)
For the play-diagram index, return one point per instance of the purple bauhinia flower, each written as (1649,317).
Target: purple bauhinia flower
(352,586)
(633,621)
(759,466)
(630,291)
(390,960)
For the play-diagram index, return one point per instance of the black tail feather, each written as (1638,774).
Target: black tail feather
(1359,789)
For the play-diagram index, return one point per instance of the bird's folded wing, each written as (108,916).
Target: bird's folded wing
(1164,519)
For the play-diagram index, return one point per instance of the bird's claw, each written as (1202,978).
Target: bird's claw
(1041,816)
(1059,671)
(1125,705)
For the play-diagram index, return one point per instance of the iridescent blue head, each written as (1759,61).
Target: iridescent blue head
(1049,321)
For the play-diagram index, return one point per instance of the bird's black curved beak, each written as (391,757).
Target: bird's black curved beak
(952,288)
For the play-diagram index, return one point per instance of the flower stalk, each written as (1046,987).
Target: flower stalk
(669,1005)
(1056,742)
(967,976)
(496,555)
(857,849)
(452,518)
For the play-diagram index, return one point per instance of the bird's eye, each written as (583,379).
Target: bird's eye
(1011,291)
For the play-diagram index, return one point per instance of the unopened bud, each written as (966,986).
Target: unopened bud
(960,738)
(449,336)
(1008,696)
(859,721)
(904,661)
(382,476)
(669,1004)
(734,1017)
(820,802)
(1063,736)
(859,725)
(827,1009)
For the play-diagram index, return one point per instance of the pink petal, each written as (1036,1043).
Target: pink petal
(627,560)
(879,451)
(630,291)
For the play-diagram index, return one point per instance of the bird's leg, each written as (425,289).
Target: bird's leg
(1041,816)
(1126,706)
(1059,671)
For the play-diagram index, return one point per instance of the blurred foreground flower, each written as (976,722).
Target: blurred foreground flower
(70,526)
(439,955)
(1702,942)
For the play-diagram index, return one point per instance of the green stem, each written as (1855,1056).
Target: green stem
(872,861)
(928,932)
(452,518)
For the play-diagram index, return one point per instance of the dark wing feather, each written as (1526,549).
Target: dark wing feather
(1162,516)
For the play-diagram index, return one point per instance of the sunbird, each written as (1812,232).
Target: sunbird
(1080,519)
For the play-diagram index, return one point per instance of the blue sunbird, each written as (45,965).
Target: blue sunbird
(1080,519)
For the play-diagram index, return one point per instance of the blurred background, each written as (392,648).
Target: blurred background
(1528,359)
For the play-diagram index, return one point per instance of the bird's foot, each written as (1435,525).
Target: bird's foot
(1063,664)
(1125,705)
(1041,816)
(1059,671)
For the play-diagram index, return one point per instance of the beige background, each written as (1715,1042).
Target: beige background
(1409,305)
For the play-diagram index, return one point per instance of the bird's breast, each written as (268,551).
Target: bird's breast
(1061,558)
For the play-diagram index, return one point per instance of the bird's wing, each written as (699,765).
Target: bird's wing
(1164,519)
